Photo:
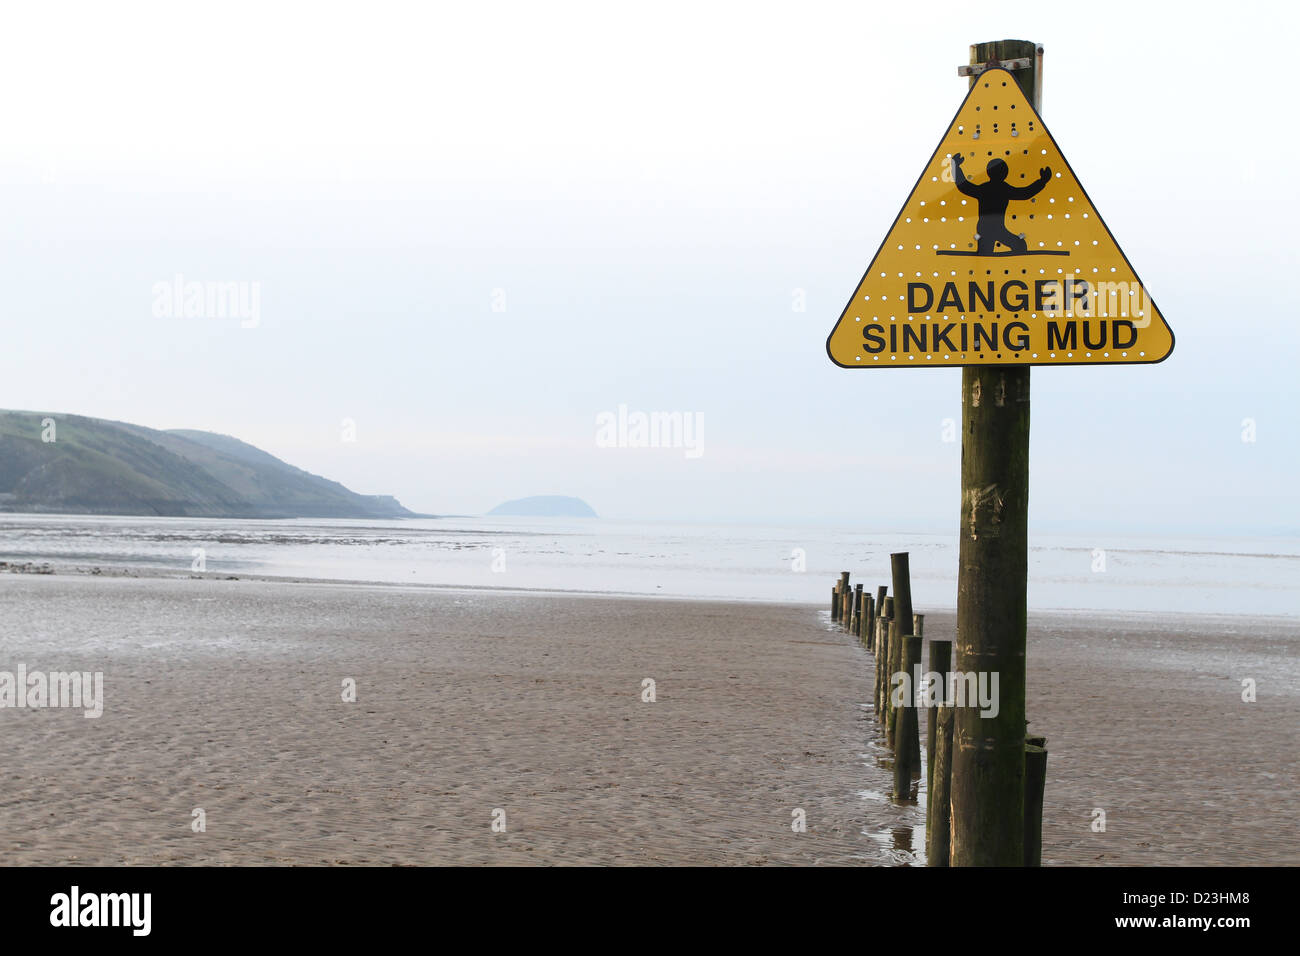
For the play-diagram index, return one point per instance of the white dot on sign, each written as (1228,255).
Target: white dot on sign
(875,358)
(1087,355)
(1123,355)
(1069,355)
(1070,199)
(900,248)
(947,356)
(866,298)
(1053,355)
(1035,355)
(1058,175)
(882,275)
(858,319)
(910,357)
(1044,152)
(1140,354)
(893,358)
(934,179)
(928,357)
(1051,200)
(1139,315)
(1105,355)
(908,219)
(1094,242)
(858,359)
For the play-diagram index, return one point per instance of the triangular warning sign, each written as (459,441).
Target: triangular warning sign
(998,257)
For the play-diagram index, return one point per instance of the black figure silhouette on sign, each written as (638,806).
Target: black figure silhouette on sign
(993,197)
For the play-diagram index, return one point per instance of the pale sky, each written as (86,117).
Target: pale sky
(646,190)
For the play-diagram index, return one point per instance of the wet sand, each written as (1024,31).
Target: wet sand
(227,696)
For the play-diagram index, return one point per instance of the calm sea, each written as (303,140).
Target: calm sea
(1259,575)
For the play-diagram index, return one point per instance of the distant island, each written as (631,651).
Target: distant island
(70,464)
(546,506)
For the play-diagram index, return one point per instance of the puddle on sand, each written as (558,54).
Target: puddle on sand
(897,829)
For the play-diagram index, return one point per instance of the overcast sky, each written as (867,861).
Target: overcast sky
(473,228)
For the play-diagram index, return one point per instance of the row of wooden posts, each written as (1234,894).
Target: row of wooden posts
(888,628)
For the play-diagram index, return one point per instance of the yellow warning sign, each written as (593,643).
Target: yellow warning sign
(999,257)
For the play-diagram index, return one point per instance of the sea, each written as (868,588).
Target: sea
(1162,574)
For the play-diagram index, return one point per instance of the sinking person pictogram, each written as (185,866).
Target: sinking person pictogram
(993,198)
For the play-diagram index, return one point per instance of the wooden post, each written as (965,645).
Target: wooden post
(882,661)
(1035,781)
(914,738)
(835,603)
(857,610)
(902,583)
(940,662)
(891,669)
(868,620)
(906,747)
(988,761)
(937,831)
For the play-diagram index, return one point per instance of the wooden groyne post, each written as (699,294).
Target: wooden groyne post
(938,814)
(906,747)
(940,663)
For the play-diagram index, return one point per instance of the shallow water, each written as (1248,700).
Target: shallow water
(1256,576)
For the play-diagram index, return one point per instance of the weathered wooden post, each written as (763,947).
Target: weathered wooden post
(1035,782)
(902,584)
(937,831)
(835,602)
(988,760)
(882,662)
(857,610)
(906,746)
(868,620)
(940,662)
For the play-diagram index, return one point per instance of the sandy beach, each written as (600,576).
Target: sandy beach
(227,695)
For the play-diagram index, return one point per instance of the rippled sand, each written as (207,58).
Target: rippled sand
(226,696)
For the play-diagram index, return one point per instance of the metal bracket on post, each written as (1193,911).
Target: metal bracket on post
(1019,63)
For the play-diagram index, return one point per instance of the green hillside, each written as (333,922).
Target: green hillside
(101,467)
